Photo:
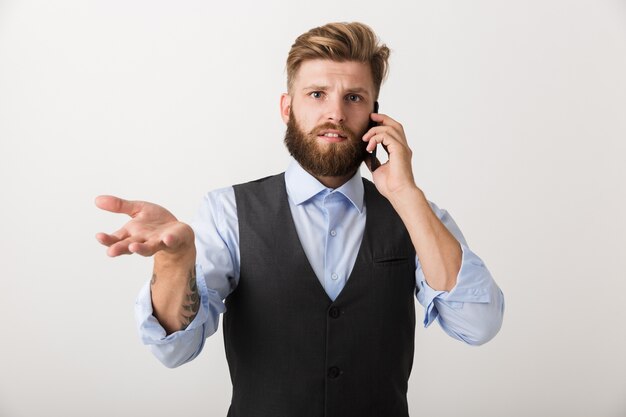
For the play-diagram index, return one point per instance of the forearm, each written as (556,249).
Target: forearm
(175,298)
(438,250)
(182,346)
(475,323)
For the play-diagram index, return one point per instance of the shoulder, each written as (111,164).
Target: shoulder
(219,204)
(261,182)
(264,192)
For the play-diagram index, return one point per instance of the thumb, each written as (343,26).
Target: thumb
(118,205)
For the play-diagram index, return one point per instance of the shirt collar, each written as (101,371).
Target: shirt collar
(302,186)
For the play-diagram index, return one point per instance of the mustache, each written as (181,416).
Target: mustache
(344,131)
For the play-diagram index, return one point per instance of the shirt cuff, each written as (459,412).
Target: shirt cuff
(150,330)
(473,284)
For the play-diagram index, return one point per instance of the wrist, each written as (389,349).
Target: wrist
(407,196)
(182,256)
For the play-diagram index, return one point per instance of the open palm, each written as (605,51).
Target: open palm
(152,228)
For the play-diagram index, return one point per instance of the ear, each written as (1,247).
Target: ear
(285,107)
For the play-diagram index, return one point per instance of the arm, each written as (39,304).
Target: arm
(216,230)
(453,283)
(473,310)
(153,230)
(216,270)
(438,250)
(175,297)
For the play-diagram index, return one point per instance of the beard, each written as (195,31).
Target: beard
(325,159)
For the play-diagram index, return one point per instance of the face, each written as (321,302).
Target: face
(327,113)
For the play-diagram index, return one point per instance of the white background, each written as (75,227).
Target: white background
(516,112)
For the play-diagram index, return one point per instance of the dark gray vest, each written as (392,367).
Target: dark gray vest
(292,352)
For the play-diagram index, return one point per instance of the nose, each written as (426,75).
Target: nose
(335,111)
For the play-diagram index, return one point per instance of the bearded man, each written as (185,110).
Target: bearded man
(316,269)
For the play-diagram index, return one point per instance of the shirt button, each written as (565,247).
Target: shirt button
(334,372)
(334,276)
(333,233)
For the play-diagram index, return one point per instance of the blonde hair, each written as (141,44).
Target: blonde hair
(340,42)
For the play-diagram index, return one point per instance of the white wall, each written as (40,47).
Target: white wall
(516,115)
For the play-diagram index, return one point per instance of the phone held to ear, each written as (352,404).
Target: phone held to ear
(373,161)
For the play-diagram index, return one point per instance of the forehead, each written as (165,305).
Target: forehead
(350,74)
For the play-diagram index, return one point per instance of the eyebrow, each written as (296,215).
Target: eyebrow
(315,87)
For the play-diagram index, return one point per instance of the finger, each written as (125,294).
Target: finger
(171,240)
(386,138)
(376,130)
(392,131)
(149,248)
(177,235)
(119,248)
(372,131)
(385,120)
(118,205)
(106,240)
(110,239)
(145,248)
(124,247)
(121,234)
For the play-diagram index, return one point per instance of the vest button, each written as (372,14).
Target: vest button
(334,372)
(334,312)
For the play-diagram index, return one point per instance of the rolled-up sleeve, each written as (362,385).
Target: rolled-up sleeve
(473,310)
(217,270)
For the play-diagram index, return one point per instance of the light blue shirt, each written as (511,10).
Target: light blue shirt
(330,224)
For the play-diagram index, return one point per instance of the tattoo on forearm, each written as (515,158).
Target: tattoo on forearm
(192,300)
(153,280)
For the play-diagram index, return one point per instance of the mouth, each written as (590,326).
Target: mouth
(332,136)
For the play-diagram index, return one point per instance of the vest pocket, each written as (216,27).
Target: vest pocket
(391,260)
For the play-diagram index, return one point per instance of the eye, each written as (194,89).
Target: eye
(316,94)
(355,98)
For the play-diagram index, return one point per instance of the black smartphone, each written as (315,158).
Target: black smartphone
(373,161)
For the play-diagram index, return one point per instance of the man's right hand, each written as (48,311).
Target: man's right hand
(151,229)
